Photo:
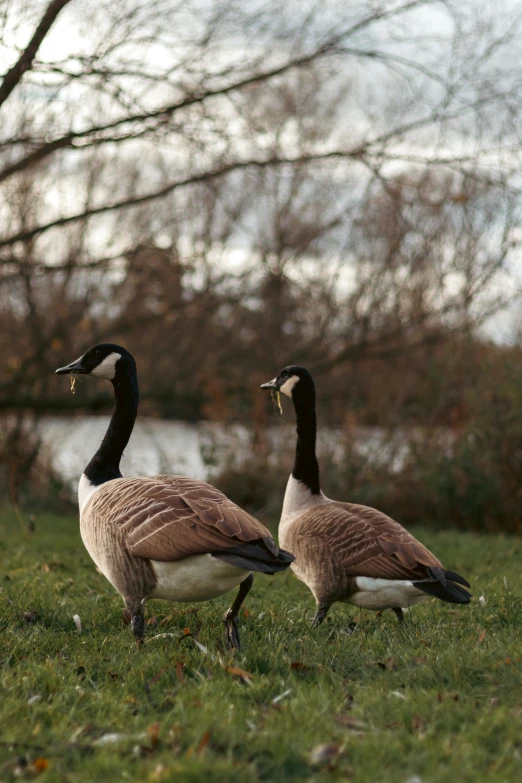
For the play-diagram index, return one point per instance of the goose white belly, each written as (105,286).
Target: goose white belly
(195,578)
(385,593)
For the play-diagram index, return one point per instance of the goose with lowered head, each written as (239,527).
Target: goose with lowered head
(344,551)
(163,536)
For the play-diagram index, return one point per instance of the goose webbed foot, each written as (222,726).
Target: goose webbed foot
(400,614)
(322,611)
(232,640)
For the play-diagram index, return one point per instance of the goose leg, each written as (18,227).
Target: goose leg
(322,611)
(400,614)
(135,607)
(232,639)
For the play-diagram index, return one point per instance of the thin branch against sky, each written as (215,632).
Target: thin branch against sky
(365,153)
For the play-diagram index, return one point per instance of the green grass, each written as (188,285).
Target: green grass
(439,700)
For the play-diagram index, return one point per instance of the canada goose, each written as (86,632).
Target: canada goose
(343,551)
(163,536)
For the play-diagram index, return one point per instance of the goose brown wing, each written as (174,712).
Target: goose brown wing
(366,542)
(171,517)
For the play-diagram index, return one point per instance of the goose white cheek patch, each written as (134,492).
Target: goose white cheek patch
(288,385)
(107,368)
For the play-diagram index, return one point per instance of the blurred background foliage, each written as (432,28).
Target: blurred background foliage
(227,188)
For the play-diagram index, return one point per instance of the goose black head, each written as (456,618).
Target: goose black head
(294,381)
(104,361)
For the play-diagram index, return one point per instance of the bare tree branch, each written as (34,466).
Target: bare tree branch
(25,61)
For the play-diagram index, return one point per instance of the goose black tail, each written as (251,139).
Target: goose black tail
(447,587)
(262,555)
(453,577)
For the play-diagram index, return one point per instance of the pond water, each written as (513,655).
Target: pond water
(192,449)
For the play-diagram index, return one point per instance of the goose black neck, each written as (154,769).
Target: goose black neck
(105,465)
(306,467)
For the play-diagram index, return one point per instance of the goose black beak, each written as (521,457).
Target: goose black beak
(75,368)
(270,385)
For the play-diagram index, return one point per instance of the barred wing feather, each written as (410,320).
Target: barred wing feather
(168,517)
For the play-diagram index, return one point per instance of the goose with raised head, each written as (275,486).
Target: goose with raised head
(164,536)
(344,551)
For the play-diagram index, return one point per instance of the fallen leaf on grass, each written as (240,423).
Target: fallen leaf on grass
(203,744)
(297,666)
(398,694)
(55,565)
(387,665)
(158,676)
(481,637)
(201,646)
(442,696)
(506,662)
(304,668)
(40,764)
(34,699)
(90,730)
(77,622)
(324,754)
(235,671)
(153,732)
(350,722)
(418,725)
(143,751)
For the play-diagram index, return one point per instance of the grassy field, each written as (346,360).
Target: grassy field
(440,700)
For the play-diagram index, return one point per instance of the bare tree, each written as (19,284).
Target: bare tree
(227,185)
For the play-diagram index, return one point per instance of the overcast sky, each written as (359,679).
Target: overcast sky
(74,31)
